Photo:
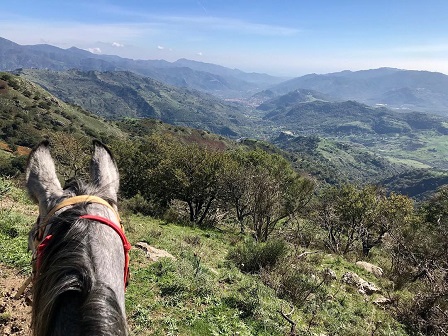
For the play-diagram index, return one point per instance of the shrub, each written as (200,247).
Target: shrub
(252,257)
(246,299)
(138,204)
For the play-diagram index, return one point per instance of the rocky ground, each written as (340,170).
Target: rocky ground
(15,314)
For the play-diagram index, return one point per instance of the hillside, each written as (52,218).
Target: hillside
(415,139)
(291,98)
(201,291)
(344,118)
(336,162)
(28,114)
(218,80)
(419,184)
(124,94)
(397,89)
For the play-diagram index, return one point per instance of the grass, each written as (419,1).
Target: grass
(203,293)
(14,226)
(422,150)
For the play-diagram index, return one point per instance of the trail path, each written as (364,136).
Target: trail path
(15,314)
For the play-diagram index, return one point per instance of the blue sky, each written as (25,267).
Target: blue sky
(282,37)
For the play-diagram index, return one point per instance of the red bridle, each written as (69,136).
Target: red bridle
(103,220)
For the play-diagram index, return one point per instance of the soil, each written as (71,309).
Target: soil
(15,314)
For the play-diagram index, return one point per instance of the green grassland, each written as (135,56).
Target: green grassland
(202,292)
(424,149)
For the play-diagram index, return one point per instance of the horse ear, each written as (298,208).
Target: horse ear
(103,171)
(41,179)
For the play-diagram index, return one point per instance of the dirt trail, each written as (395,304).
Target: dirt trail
(15,314)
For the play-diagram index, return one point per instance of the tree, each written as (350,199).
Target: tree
(72,154)
(419,250)
(236,185)
(276,191)
(351,215)
(189,173)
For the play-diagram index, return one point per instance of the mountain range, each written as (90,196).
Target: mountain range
(401,90)
(376,113)
(206,77)
(29,113)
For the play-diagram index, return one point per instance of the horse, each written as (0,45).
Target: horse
(80,251)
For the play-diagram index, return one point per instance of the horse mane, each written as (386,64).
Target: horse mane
(67,294)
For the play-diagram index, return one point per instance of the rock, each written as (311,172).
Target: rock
(153,253)
(363,286)
(375,270)
(329,274)
(381,301)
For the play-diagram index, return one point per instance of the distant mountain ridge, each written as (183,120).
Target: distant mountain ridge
(182,73)
(404,90)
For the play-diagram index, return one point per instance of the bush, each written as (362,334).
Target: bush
(252,257)
(13,166)
(246,299)
(138,204)
(182,278)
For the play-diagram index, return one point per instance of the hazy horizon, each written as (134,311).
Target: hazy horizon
(288,38)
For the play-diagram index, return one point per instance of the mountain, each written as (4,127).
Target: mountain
(397,89)
(118,94)
(415,139)
(291,98)
(206,77)
(345,118)
(29,114)
(256,78)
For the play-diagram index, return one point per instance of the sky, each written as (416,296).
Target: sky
(279,37)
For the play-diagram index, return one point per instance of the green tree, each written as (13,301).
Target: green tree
(354,216)
(276,191)
(193,173)
(419,250)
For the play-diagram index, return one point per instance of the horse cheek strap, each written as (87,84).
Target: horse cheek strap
(40,249)
(119,231)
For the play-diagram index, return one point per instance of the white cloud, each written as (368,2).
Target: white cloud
(118,45)
(199,53)
(160,47)
(94,50)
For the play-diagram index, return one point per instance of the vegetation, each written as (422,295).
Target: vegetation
(258,189)
(260,248)
(125,94)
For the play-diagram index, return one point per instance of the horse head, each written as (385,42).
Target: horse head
(79,248)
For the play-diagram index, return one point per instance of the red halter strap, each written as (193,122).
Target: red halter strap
(117,229)
(102,220)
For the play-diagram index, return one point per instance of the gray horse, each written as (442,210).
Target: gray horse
(80,250)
